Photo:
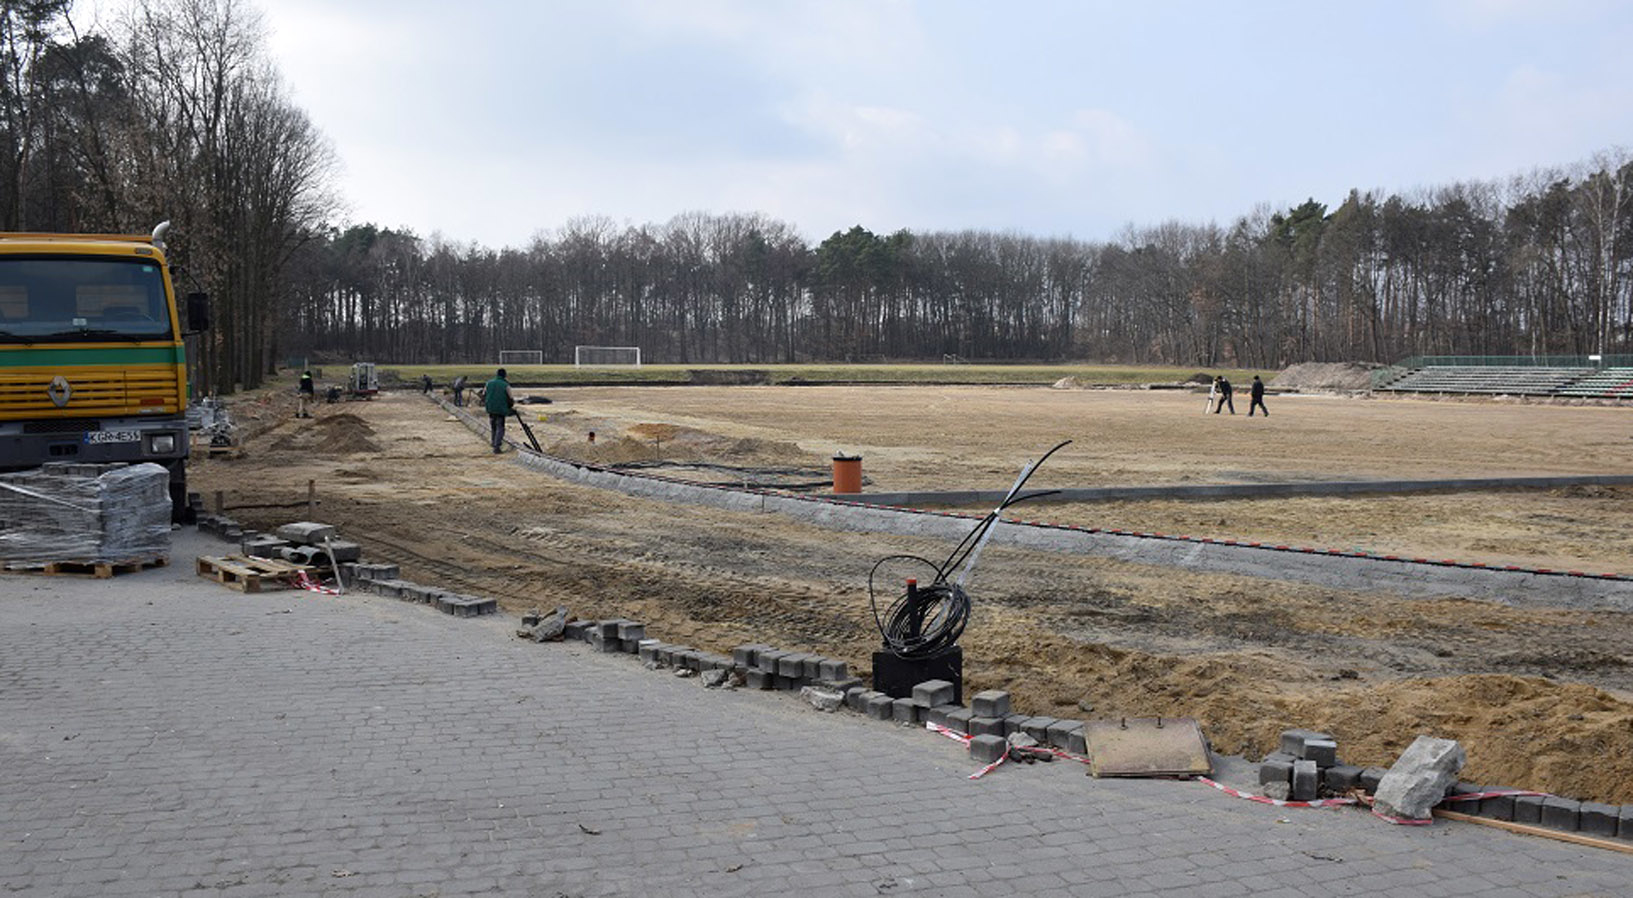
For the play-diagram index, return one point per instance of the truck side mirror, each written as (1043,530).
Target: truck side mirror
(198,312)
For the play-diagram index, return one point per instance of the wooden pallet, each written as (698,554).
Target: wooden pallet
(100,570)
(247,574)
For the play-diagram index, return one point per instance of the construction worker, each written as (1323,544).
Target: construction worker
(1257,392)
(496,399)
(1224,402)
(459,391)
(304,395)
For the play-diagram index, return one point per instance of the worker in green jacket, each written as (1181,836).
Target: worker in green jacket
(497,400)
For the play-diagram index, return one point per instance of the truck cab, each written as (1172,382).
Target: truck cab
(92,365)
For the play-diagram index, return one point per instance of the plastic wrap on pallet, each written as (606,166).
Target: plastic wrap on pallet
(85,513)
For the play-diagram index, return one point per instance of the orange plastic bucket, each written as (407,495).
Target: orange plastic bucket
(847,473)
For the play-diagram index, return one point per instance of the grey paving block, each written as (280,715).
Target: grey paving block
(1528,808)
(1500,807)
(880,707)
(792,666)
(630,631)
(343,550)
(307,533)
(1340,778)
(1293,741)
(813,667)
(789,684)
(902,710)
(1370,777)
(985,726)
(931,693)
(938,714)
(986,749)
(1038,728)
(1277,771)
(1598,819)
(959,720)
(840,685)
(1306,780)
(755,678)
(1013,721)
(1624,822)
(648,651)
(1060,733)
(1324,752)
(853,697)
(746,654)
(1564,814)
(833,670)
(768,659)
(990,703)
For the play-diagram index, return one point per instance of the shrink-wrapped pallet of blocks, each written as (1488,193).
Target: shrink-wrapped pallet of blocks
(84,513)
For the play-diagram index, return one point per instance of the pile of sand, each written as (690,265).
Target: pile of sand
(1326,376)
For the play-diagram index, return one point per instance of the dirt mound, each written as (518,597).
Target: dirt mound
(1325,376)
(1069,383)
(337,434)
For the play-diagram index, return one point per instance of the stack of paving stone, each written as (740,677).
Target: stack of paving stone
(222,526)
(385,580)
(1589,818)
(1306,767)
(990,720)
(63,512)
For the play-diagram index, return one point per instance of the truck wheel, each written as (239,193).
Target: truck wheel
(180,511)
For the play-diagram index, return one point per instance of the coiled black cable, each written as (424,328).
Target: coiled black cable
(926,621)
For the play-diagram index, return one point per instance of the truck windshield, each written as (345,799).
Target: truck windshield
(58,299)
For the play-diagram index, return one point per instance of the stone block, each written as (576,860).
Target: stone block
(931,693)
(307,533)
(344,550)
(1528,809)
(1324,752)
(853,697)
(1277,771)
(1076,742)
(986,749)
(822,699)
(746,654)
(902,710)
(880,707)
(1564,814)
(1306,780)
(1419,777)
(813,667)
(792,666)
(938,714)
(959,720)
(607,629)
(832,670)
(1012,723)
(991,703)
(1060,733)
(755,678)
(840,685)
(1499,808)
(767,659)
(863,699)
(1340,778)
(789,684)
(1598,819)
(630,631)
(1292,741)
(648,651)
(1370,777)
(985,726)
(1624,823)
(1037,728)
(264,546)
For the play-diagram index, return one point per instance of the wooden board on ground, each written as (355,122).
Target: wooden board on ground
(1146,746)
(100,570)
(247,574)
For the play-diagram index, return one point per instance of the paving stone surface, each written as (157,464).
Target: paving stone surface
(161,735)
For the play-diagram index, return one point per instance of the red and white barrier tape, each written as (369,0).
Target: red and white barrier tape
(965,739)
(305,581)
(1278,802)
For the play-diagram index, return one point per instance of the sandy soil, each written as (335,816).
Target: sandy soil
(1540,697)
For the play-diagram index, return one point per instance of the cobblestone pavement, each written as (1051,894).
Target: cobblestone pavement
(163,735)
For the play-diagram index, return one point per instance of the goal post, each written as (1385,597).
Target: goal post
(606,356)
(521,356)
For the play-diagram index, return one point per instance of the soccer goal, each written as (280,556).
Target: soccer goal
(606,356)
(521,356)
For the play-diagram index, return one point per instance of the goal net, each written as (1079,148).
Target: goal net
(521,356)
(606,356)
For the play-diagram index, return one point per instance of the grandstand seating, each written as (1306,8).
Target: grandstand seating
(1599,383)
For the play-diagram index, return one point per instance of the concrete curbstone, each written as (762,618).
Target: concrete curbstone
(1340,778)
(902,710)
(792,666)
(991,703)
(1060,733)
(1037,728)
(1598,819)
(931,693)
(1306,780)
(1528,808)
(958,720)
(879,706)
(1012,723)
(1563,814)
(938,714)
(1624,823)
(768,659)
(987,749)
(1277,771)
(985,726)
(833,670)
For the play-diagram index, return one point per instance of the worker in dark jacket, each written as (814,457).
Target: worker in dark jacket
(1223,386)
(497,400)
(305,396)
(1257,391)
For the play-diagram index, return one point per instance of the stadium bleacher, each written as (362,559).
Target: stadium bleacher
(1513,380)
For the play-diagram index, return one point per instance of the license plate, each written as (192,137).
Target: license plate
(112,436)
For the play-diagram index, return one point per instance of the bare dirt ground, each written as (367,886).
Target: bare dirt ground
(1540,697)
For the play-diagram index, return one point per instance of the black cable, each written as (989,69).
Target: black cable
(926,621)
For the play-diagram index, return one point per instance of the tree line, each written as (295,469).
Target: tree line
(174,111)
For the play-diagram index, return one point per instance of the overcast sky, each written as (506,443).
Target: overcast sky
(491,121)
